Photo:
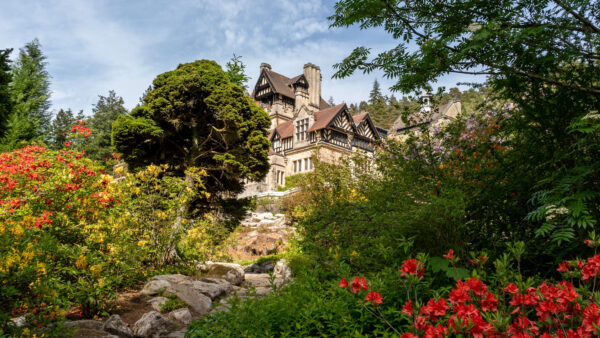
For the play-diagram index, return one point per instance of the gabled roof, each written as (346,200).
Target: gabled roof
(364,117)
(359,117)
(325,116)
(281,83)
(284,130)
(421,118)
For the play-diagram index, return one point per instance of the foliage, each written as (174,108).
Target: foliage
(172,303)
(504,40)
(105,112)
(5,79)
(30,94)
(206,240)
(291,182)
(311,306)
(195,117)
(236,71)
(502,303)
(150,201)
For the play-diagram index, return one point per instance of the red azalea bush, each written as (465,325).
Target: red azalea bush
(473,308)
(58,244)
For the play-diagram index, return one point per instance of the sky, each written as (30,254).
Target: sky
(122,45)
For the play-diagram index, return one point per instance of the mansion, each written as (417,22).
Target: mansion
(303,125)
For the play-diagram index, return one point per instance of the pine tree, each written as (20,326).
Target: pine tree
(331,102)
(61,127)
(105,112)
(5,78)
(378,107)
(30,94)
(235,70)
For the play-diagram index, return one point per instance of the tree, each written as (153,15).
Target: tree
(541,59)
(61,127)
(5,79)
(105,113)
(30,94)
(331,102)
(377,106)
(236,71)
(194,116)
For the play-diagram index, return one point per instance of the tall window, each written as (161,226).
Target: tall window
(306,164)
(301,130)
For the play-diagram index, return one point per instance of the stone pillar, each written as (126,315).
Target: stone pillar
(312,74)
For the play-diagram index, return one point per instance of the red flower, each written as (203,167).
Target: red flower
(68,144)
(511,288)
(450,254)
(407,308)
(359,283)
(343,283)
(374,297)
(408,335)
(588,242)
(413,267)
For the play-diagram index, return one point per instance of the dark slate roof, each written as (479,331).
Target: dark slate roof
(323,117)
(281,83)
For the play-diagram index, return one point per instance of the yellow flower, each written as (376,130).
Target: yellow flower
(41,268)
(141,243)
(95,270)
(81,262)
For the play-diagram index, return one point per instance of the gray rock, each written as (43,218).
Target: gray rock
(233,273)
(115,325)
(282,271)
(19,321)
(172,278)
(195,299)
(263,267)
(183,316)
(209,288)
(257,280)
(155,286)
(152,324)
(157,302)
(86,324)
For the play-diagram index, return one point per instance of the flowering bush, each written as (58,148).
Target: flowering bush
(517,308)
(70,235)
(55,242)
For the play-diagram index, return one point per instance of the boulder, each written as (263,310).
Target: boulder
(152,324)
(19,321)
(257,280)
(183,316)
(115,325)
(195,299)
(157,303)
(209,287)
(233,273)
(155,286)
(264,267)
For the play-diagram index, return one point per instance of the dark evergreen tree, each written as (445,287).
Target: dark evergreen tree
(105,113)
(61,127)
(30,93)
(5,79)
(331,102)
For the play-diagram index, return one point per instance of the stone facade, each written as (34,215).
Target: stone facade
(303,125)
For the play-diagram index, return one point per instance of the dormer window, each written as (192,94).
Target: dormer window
(301,130)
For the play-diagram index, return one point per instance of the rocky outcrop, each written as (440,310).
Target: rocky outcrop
(153,324)
(233,273)
(182,316)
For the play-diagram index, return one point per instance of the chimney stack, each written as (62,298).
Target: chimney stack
(264,65)
(312,73)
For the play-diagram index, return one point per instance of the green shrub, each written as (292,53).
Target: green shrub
(172,303)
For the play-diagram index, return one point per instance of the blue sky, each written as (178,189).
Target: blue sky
(95,46)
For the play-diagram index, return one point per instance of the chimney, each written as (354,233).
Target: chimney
(312,74)
(264,65)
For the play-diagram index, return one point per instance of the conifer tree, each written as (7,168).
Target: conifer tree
(5,78)
(105,112)
(30,94)
(61,127)
(235,70)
